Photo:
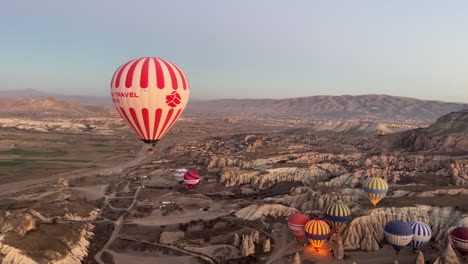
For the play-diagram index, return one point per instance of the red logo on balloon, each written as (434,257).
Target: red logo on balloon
(173,99)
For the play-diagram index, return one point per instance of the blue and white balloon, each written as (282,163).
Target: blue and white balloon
(398,233)
(179,175)
(421,234)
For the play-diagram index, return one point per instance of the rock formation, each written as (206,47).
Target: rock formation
(448,256)
(420,258)
(248,246)
(266,246)
(236,241)
(255,211)
(297,258)
(338,250)
(18,222)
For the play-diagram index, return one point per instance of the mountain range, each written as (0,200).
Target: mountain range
(372,107)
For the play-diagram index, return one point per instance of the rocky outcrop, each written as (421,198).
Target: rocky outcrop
(248,246)
(77,250)
(236,241)
(366,232)
(448,256)
(255,211)
(267,246)
(459,172)
(19,222)
(68,216)
(235,176)
(419,258)
(448,134)
(297,258)
(338,250)
(306,199)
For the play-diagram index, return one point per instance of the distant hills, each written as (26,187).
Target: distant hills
(346,107)
(372,107)
(31,93)
(50,107)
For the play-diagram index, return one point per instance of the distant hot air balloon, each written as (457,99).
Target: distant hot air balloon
(376,188)
(179,175)
(336,215)
(191,179)
(421,234)
(398,233)
(296,223)
(459,238)
(150,94)
(317,231)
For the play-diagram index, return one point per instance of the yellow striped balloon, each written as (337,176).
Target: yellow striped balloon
(317,231)
(336,215)
(376,188)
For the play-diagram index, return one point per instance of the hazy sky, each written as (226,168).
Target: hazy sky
(242,48)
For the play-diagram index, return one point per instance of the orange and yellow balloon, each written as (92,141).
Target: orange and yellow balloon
(317,231)
(376,188)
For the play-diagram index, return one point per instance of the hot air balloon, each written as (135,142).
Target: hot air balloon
(459,238)
(336,215)
(191,179)
(398,233)
(421,234)
(317,231)
(296,223)
(376,188)
(150,94)
(179,175)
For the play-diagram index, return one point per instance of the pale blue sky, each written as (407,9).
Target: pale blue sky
(242,48)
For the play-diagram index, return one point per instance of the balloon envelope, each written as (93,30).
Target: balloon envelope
(459,238)
(317,231)
(179,175)
(150,95)
(296,223)
(376,188)
(398,233)
(191,179)
(421,234)
(336,215)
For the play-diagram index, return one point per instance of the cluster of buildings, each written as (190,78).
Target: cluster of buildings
(215,146)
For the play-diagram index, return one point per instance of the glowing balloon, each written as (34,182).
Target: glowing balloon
(459,238)
(336,215)
(296,223)
(191,179)
(179,175)
(398,233)
(150,94)
(317,231)
(376,188)
(421,234)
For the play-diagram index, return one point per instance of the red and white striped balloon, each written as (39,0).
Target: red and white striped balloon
(150,94)
(191,179)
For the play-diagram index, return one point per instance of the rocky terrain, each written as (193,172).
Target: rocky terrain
(237,213)
(448,134)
